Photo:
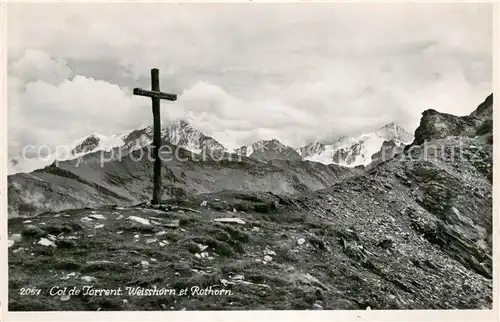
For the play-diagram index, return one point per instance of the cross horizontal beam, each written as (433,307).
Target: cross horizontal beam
(155,94)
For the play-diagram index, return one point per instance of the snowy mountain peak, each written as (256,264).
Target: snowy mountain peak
(356,150)
(392,131)
(179,133)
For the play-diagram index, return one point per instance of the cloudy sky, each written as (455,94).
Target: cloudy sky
(243,71)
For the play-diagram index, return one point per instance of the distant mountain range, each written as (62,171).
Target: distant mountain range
(346,151)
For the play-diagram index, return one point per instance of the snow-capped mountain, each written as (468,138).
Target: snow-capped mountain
(92,143)
(179,133)
(269,150)
(354,151)
(346,151)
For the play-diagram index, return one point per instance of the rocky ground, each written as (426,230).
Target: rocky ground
(413,232)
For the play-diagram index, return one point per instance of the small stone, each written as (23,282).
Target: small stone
(151,240)
(234,210)
(136,236)
(99,226)
(271,252)
(216,199)
(368,308)
(10,243)
(154,260)
(230,220)
(197,255)
(238,277)
(119,217)
(46,242)
(86,219)
(119,232)
(144,264)
(88,279)
(68,276)
(203,203)
(301,241)
(100,217)
(161,233)
(65,298)
(27,221)
(139,220)
(318,306)
(202,247)
(255,228)
(268,258)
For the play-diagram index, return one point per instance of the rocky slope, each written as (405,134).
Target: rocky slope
(414,232)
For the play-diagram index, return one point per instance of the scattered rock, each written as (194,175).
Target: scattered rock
(161,233)
(256,229)
(100,217)
(271,252)
(88,279)
(301,241)
(46,242)
(238,277)
(318,306)
(99,226)
(140,220)
(86,219)
(27,221)
(268,258)
(151,240)
(10,243)
(230,220)
(203,203)
(65,297)
(68,276)
(202,247)
(144,264)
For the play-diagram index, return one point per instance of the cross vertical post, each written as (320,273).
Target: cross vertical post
(156,95)
(155,86)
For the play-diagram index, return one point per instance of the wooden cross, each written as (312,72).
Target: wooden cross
(156,95)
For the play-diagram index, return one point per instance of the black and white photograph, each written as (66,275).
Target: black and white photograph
(246,156)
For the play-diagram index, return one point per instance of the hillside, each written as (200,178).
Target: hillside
(413,232)
(86,182)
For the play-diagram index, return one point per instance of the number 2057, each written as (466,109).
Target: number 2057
(29,291)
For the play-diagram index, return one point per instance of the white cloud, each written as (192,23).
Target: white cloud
(303,71)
